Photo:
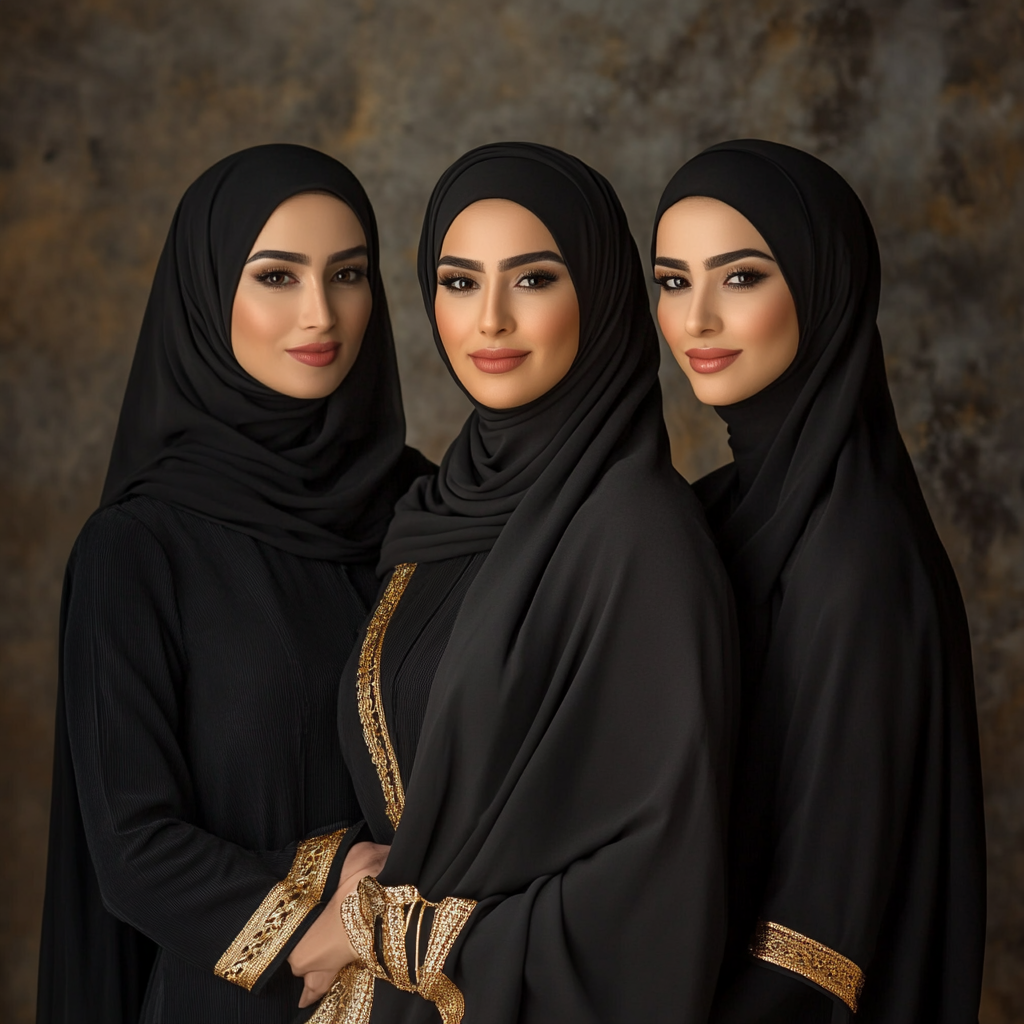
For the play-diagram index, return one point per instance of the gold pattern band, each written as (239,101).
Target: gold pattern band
(282,911)
(370,698)
(783,947)
(350,999)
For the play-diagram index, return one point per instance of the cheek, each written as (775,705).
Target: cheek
(769,325)
(352,311)
(454,318)
(257,326)
(553,327)
(672,320)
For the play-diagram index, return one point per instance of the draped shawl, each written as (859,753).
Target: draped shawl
(858,811)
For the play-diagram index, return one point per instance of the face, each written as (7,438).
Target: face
(505,305)
(725,309)
(303,301)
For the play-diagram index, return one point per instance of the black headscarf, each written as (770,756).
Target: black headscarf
(315,477)
(502,454)
(858,814)
(572,768)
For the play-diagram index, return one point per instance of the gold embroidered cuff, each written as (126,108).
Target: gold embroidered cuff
(286,905)
(398,908)
(783,947)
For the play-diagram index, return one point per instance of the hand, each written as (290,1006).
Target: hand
(325,948)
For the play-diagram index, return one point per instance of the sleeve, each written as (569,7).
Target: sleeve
(216,905)
(849,777)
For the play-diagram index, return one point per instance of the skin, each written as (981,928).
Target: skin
(303,286)
(510,324)
(740,313)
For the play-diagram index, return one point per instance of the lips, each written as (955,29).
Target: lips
(316,354)
(498,360)
(711,360)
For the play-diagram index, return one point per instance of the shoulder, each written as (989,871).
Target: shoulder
(641,518)
(123,538)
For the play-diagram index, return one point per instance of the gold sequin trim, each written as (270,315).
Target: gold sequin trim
(783,947)
(371,699)
(282,911)
(398,908)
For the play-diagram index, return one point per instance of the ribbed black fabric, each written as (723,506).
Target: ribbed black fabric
(416,639)
(200,680)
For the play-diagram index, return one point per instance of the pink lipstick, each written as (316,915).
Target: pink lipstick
(498,360)
(316,354)
(711,360)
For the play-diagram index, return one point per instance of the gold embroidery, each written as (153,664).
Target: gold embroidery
(286,905)
(350,998)
(783,947)
(370,697)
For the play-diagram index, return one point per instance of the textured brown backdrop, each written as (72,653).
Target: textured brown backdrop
(111,107)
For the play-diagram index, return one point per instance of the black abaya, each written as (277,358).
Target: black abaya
(566,801)
(858,871)
(199,797)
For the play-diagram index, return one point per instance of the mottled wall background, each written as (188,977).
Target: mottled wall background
(109,108)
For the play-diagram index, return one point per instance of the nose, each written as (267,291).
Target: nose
(315,313)
(496,318)
(702,318)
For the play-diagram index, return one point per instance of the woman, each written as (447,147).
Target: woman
(857,881)
(200,797)
(541,705)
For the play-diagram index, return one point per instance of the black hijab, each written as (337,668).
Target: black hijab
(858,812)
(577,735)
(501,455)
(315,477)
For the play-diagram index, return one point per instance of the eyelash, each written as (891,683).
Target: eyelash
(264,276)
(548,277)
(662,281)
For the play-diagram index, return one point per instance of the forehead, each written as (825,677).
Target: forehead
(705,227)
(310,221)
(496,228)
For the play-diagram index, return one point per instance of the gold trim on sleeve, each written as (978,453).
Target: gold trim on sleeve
(397,907)
(371,699)
(282,911)
(783,947)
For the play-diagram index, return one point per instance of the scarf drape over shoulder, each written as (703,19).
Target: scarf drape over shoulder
(858,813)
(572,770)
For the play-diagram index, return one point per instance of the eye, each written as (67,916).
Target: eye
(745,277)
(671,284)
(534,280)
(455,283)
(275,278)
(349,275)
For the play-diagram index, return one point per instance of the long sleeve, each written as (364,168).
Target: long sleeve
(211,902)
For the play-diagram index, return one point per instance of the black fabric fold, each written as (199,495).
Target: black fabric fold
(572,770)
(858,812)
(315,477)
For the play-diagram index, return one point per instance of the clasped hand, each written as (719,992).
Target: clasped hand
(325,948)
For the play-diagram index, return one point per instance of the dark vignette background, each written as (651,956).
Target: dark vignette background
(109,108)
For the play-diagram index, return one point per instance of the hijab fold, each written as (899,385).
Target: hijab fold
(314,477)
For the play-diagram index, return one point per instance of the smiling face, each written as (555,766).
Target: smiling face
(505,306)
(725,309)
(303,301)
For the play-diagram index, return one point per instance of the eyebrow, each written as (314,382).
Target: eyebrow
(301,257)
(713,262)
(530,257)
(509,263)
